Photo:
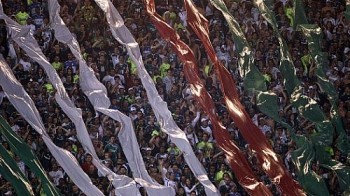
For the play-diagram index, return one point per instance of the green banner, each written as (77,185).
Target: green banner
(347,11)
(313,34)
(20,148)
(313,183)
(303,156)
(253,79)
(10,171)
(299,14)
(321,139)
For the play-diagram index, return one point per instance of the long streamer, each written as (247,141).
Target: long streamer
(20,148)
(164,117)
(299,101)
(299,15)
(237,161)
(253,79)
(26,107)
(28,43)
(347,11)
(11,172)
(303,156)
(269,160)
(122,184)
(97,95)
(306,106)
(286,65)
(313,36)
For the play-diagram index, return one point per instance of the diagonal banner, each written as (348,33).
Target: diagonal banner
(20,148)
(122,184)
(97,94)
(160,109)
(28,43)
(253,79)
(269,160)
(237,161)
(11,172)
(307,107)
(303,156)
(26,107)
(313,35)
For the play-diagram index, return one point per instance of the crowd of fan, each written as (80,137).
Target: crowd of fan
(113,67)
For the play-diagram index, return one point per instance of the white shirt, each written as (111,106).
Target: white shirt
(209,132)
(169,183)
(56,176)
(26,65)
(22,167)
(183,17)
(109,78)
(15,128)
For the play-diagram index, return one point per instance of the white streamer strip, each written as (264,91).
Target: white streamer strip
(97,95)
(26,107)
(28,43)
(164,117)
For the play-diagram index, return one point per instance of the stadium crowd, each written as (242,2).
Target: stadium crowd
(113,67)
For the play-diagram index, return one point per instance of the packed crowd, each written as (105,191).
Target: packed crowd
(113,67)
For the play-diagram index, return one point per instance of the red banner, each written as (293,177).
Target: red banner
(237,160)
(269,160)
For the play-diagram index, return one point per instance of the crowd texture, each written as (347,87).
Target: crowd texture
(113,67)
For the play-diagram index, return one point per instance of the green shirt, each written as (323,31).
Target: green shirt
(173,151)
(133,67)
(57,65)
(156,77)
(113,149)
(164,67)
(22,17)
(220,175)
(207,70)
(205,147)
(75,79)
(49,87)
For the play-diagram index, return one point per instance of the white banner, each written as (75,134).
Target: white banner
(160,109)
(97,95)
(26,107)
(22,36)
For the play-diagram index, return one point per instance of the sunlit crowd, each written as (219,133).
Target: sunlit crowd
(114,68)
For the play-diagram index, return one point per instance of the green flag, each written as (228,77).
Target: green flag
(10,171)
(20,148)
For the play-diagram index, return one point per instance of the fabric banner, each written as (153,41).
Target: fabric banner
(343,174)
(269,160)
(97,95)
(313,35)
(307,107)
(303,156)
(11,172)
(26,107)
(286,64)
(347,11)
(20,148)
(160,109)
(299,16)
(28,43)
(236,159)
(253,79)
